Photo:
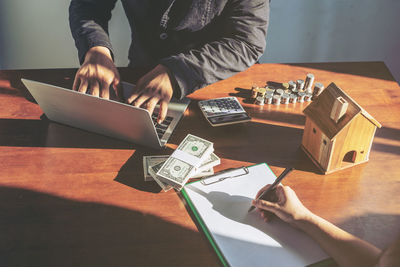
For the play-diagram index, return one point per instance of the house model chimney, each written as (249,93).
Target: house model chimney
(339,108)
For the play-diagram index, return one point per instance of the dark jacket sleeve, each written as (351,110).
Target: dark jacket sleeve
(88,20)
(241,45)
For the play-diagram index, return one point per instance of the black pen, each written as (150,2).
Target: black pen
(274,185)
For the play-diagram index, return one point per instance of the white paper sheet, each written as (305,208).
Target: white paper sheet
(244,238)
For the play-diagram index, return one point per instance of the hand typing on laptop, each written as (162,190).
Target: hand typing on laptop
(98,73)
(153,88)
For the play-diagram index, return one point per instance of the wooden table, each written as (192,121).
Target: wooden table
(69,197)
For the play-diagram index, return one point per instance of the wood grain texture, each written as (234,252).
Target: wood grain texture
(357,136)
(69,197)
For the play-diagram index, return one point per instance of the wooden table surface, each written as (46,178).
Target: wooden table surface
(69,197)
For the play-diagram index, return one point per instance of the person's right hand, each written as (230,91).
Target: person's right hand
(284,203)
(97,73)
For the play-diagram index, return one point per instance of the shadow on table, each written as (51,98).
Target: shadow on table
(254,142)
(391,149)
(132,174)
(368,227)
(44,133)
(243,93)
(44,230)
(279,117)
(388,133)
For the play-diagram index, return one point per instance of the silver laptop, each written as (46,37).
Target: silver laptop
(107,117)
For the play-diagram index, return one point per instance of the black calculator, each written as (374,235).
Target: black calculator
(223,111)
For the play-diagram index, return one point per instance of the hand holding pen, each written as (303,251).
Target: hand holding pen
(273,186)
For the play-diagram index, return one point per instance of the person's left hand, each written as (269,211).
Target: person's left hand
(153,88)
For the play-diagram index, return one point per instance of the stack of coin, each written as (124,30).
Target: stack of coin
(318,88)
(308,83)
(261,92)
(268,98)
(279,92)
(285,98)
(285,87)
(307,97)
(293,98)
(300,84)
(276,100)
(300,97)
(270,89)
(254,91)
(260,100)
(292,85)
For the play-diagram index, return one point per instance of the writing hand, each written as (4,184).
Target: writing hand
(97,73)
(153,88)
(282,202)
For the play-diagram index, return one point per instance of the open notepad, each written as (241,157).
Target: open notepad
(241,238)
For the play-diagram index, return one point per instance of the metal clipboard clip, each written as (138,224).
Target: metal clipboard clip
(215,179)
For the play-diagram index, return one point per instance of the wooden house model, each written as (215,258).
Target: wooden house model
(338,132)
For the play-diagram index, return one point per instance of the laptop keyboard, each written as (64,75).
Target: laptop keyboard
(162,127)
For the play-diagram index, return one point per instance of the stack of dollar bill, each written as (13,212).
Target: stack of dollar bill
(193,158)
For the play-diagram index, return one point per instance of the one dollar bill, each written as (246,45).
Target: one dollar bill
(206,168)
(149,161)
(153,170)
(185,161)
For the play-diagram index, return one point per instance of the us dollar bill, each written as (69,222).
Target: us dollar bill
(184,161)
(149,161)
(152,171)
(205,169)
(210,162)
(203,173)
(175,172)
(197,147)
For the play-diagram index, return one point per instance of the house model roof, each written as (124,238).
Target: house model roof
(319,111)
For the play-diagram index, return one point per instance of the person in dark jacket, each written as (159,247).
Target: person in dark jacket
(185,44)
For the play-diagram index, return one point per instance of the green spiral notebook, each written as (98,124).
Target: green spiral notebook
(240,238)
